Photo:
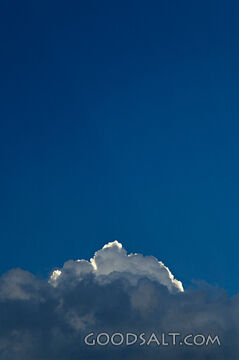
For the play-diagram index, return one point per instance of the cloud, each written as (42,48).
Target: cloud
(113,292)
(112,261)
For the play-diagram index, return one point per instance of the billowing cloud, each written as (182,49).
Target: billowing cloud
(112,261)
(113,292)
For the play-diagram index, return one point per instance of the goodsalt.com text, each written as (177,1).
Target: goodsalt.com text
(163,339)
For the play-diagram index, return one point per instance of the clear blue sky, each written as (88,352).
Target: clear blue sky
(119,120)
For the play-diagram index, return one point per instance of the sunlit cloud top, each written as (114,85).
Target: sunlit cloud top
(113,261)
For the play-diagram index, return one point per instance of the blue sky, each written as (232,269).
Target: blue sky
(119,120)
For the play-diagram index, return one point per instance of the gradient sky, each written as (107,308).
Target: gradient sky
(119,120)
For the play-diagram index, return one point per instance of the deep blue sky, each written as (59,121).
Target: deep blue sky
(119,120)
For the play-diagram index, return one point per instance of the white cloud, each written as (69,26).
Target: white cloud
(113,292)
(113,259)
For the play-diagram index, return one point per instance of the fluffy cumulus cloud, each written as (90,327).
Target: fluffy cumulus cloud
(113,293)
(112,262)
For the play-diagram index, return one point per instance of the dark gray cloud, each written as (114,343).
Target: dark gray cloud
(114,292)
